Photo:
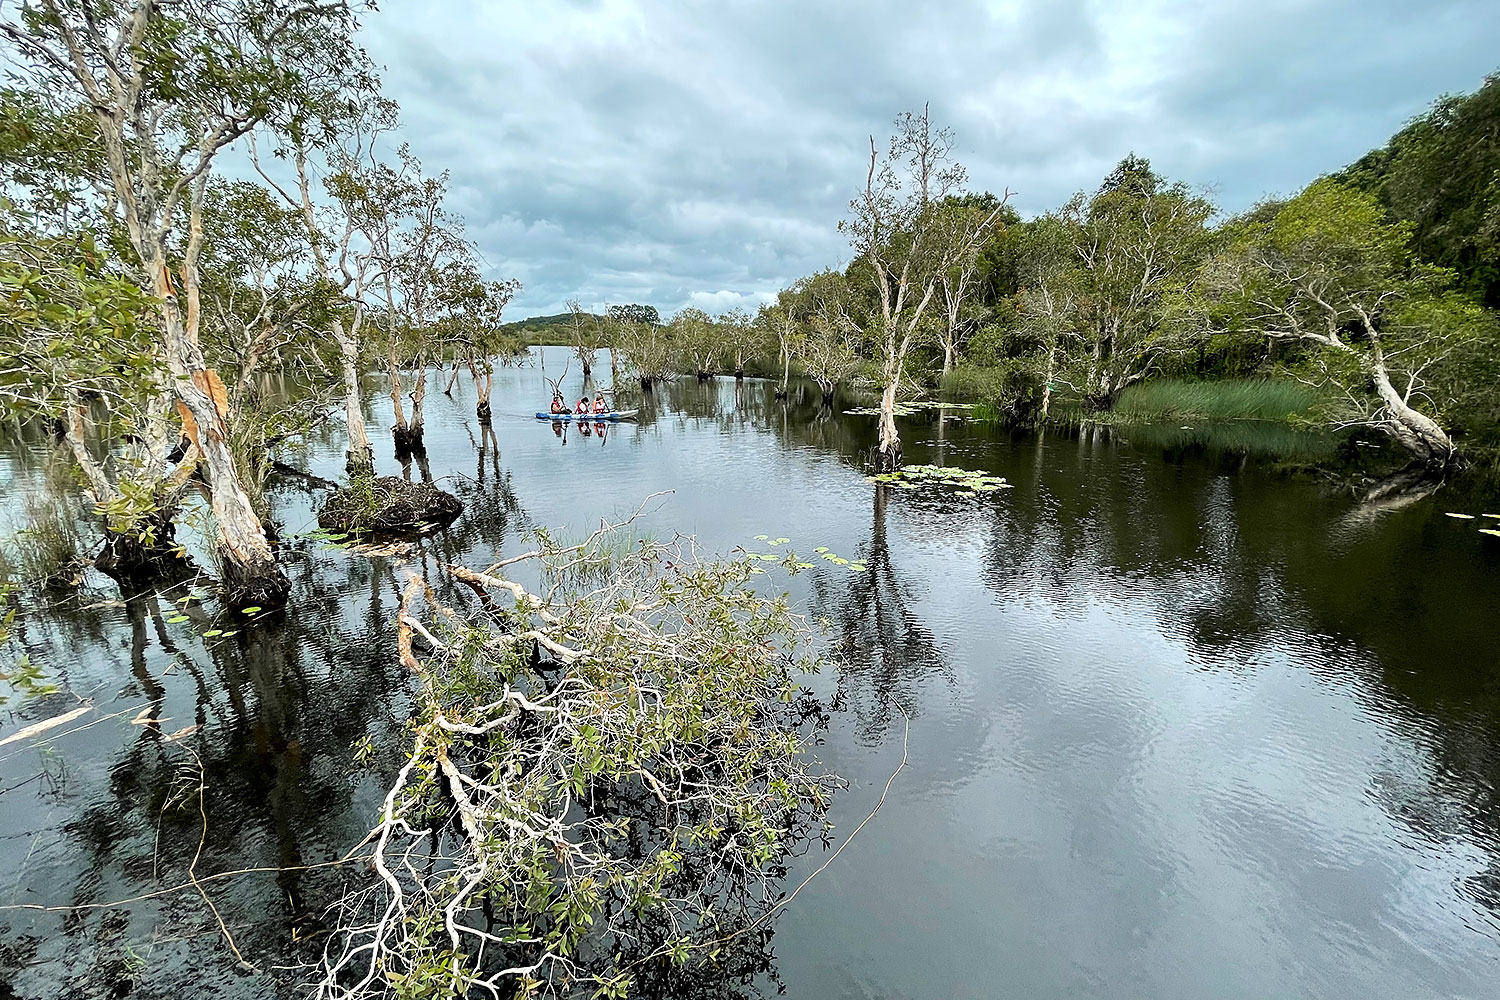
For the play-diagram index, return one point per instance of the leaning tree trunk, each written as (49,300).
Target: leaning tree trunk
(888,455)
(483,383)
(359,460)
(1414,431)
(453,377)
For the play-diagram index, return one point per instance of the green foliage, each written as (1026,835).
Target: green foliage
(72,321)
(1441,174)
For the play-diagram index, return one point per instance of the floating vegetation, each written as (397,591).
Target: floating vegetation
(1470,517)
(910,409)
(795,564)
(966,482)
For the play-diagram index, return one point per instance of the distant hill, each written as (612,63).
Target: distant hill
(552,329)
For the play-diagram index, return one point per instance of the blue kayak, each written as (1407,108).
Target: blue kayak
(611,416)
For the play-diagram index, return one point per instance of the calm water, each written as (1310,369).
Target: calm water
(1180,726)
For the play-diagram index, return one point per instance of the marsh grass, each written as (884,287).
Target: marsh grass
(48,549)
(1267,439)
(1227,399)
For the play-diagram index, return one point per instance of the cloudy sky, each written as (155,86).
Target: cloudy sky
(703,152)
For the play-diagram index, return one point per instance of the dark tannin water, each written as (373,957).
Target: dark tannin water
(1180,726)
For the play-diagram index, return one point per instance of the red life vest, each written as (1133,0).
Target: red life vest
(583,406)
(599,406)
(558,406)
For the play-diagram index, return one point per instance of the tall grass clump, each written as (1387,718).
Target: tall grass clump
(48,548)
(1229,399)
(973,382)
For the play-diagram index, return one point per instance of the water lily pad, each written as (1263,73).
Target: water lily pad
(250,610)
(212,632)
(1465,517)
(175,619)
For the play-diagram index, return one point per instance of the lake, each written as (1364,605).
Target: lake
(1181,725)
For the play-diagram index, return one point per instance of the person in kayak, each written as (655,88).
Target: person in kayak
(599,405)
(558,406)
(582,408)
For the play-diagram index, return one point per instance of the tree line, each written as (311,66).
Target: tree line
(1376,286)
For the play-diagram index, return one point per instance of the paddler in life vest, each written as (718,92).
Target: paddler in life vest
(582,408)
(558,406)
(599,405)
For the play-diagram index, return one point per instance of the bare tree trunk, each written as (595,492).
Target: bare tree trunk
(360,458)
(786,372)
(250,571)
(1047,385)
(950,354)
(393,368)
(418,395)
(614,369)
(453,377)
(888,457)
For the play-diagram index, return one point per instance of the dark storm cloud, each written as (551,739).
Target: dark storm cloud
(703,153)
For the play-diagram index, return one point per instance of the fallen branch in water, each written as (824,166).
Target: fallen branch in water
(575,826)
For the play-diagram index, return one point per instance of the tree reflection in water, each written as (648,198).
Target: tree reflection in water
(888,651)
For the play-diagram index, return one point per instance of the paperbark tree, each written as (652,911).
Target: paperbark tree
(169,87)
(342,259)
(828,348)
(644,345)
(958,220)
(694,335)
(783,323)
(894,226)
(737,332)
(585,343)
(1140,243)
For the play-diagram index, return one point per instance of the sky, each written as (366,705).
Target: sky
(702,152)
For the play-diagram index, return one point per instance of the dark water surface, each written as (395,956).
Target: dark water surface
(1181,726)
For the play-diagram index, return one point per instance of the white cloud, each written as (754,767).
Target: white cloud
(675,153)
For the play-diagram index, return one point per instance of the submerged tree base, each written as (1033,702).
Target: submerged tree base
(261,585)
(408,440)
(137,565)
(884,460)
(388,505)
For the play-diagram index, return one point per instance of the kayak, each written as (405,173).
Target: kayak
(611,416)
